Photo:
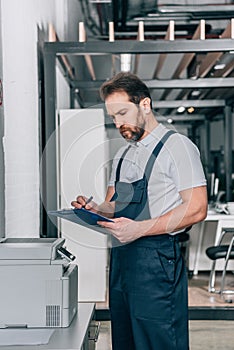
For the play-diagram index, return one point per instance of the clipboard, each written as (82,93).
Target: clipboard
(82,217)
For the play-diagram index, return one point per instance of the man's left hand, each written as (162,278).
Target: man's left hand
(124,229)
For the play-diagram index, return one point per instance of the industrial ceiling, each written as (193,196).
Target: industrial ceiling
(182,81)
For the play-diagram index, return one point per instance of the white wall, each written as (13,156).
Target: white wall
(2,173)
(19,42)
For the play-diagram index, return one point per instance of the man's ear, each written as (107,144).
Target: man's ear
(145,104)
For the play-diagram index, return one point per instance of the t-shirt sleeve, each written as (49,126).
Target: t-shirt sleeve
(186,167)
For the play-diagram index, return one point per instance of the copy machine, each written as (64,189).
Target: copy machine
(38,283)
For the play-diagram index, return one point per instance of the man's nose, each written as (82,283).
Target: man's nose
(118,123)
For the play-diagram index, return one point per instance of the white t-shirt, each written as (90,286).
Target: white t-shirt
(177,167)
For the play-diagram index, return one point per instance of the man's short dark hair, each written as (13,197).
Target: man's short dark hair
(126,82)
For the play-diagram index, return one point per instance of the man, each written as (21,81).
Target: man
(157,189)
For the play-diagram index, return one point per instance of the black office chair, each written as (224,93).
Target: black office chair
(221,251)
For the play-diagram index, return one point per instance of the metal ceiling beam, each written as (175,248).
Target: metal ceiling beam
(133,46)
(167,84)
(173,104)
(189,103)
(190,83)
(181,118)
(186,120)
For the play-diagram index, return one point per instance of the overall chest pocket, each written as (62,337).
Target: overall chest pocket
(130,192)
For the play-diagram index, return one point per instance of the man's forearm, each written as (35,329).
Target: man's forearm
(191,211)
(107,209)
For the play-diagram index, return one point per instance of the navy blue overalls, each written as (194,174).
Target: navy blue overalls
(148,283)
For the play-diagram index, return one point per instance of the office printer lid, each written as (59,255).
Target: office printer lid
(29,248)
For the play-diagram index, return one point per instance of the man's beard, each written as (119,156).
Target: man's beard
(131,134)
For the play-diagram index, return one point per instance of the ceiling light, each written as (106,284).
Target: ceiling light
(190,110)
(125,62)
(181,109)
(170,121)
(195,93)
(219,66)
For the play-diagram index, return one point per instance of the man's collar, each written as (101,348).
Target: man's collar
(155,134)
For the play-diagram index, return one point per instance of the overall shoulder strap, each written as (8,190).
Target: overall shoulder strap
(155,153)
(120,163)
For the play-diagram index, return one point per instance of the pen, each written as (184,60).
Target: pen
(89,200)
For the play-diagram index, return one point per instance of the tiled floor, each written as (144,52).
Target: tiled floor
(199,295)
(211,335)
(204,335)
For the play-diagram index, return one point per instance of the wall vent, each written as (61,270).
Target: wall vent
(53,316)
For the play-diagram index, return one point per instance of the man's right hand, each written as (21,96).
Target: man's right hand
(106,208)
(80,202)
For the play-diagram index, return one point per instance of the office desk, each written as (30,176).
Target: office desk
(223,221)
(74,337)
